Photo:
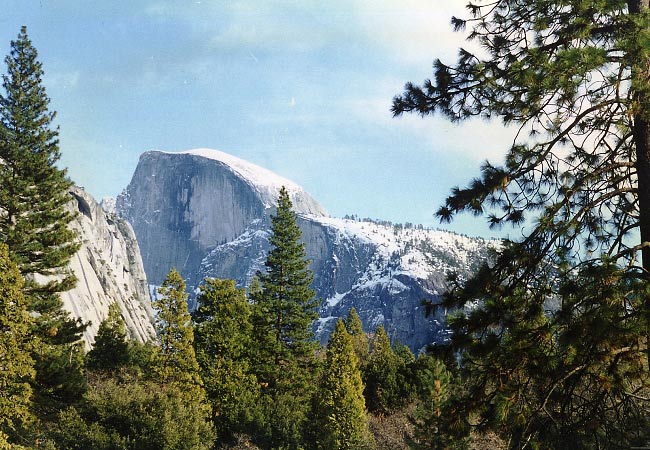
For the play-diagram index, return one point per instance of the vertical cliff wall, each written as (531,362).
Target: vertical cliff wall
(109,270)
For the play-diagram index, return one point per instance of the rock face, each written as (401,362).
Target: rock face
(184,205)
(109,270)
(208,214)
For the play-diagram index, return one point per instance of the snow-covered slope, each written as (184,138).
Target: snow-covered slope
(207,213)
(182,205)
(383,270)
(266,183)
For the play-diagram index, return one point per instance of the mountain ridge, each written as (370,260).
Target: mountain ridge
(193,211)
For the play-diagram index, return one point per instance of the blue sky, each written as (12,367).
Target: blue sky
(300,87)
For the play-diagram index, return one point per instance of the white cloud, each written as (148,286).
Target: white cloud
(253,25)
(415,31)
(475,138)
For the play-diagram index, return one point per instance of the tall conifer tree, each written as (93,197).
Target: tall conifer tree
(340,409)
(223,344)
(111,349)
(176,359)
(359,339)
(572,77)
(435,391)
(381,374)
(286,306)
(283,314)
(34,222)
(33,219)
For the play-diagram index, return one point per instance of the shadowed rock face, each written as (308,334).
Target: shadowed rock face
(109,270)
(184,205)
(208,215)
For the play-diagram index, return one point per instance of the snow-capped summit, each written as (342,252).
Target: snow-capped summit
(207,214)
(267,183)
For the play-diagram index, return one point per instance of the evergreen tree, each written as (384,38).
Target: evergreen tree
(286,308)
(340,409)
(359,339)
(222,340)
(283,313)
(435,390)
(111,349)
(176,358)
(34,220)
(16,363)
(134,414)
(406,373)
(381,375)
(572,76)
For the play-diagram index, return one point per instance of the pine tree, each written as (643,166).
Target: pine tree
(340,409)
(381,375)
(222,341)
(34,223)
(33,220)
(435,392)
(16,363)
(359,339)
(111,349)
(283,314)
(286,308)
(176,359)
(572,77)
(175,367)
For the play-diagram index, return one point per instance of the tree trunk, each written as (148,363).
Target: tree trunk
(640,91)
(642,164)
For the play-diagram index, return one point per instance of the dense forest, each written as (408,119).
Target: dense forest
(550,338)
(241,371)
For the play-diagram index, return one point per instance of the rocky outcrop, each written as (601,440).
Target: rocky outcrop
(109,270)
(182,205)
(208,214)
(385,271)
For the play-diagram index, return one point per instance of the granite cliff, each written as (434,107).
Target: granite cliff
(109,270)
(207,213)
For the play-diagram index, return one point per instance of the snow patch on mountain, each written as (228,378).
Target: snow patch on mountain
(414,250)
(265,182)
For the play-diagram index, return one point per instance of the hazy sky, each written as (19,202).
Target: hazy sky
(300,87)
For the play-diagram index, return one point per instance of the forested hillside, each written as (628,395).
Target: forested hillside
(549,337)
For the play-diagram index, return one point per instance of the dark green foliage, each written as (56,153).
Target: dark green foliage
(575,377)
(556,353)
(340,410)
(16,363)
(34,222)
(60,377)
(435,389)
(176,357)
(282,421)
(286,307)
(406,374)
(382,390)
(33,218)
(283,313)
(359,339)
(111,349)
(34,191)
(222,342)
(135,415)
